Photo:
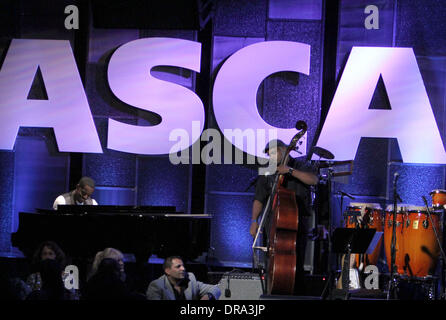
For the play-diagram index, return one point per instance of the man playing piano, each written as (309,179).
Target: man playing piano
(79,196)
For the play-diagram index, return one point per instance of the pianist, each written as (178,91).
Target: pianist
(79,196)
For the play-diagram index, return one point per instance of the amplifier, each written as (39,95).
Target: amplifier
(238,286)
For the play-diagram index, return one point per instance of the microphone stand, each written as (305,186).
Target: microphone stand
(266,211)
(330,220)
(343,194)
(396,197)
(438,241)
(327,292)
(342,201)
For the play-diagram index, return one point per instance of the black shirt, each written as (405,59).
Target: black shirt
(303,193)
(179,295)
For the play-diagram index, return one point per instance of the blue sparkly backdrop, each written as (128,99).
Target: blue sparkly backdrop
(34,173)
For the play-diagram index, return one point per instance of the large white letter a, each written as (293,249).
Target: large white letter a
(66,109)
(411,119)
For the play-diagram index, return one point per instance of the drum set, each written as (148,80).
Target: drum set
(417,245)
(417,248)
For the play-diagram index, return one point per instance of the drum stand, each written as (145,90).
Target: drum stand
(392,279)
(331,262)
(443,257)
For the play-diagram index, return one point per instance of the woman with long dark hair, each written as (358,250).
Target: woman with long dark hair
(46,250)
(52,287)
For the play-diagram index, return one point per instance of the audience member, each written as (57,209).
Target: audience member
(107,284)
(112,254)
(13,288)
(52,284)
(46,250)
(177,284)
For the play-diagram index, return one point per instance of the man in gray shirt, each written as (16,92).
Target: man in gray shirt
(177,284)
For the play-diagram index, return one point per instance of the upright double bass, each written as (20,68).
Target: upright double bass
(282,240)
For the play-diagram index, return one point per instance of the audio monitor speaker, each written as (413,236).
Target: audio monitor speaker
(239,286)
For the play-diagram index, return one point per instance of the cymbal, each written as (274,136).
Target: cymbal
(323,153)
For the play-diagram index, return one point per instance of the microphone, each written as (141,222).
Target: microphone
(396,175)
(301,125)
(425,201)
(227,290)
(342,193)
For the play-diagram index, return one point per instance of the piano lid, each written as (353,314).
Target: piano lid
(167,211)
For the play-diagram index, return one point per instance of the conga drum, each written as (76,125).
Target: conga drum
(365,215)
(399,234)
(352,217)
(420,244)
(438,198)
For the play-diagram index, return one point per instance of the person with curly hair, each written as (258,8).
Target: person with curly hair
(46,250)
(52,288)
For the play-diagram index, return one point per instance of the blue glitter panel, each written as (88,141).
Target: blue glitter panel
(230,228)
(230,177)
(50,28)
(40,176)
(421,25)
(112,168)
(295,9)
(6,198)
(369,168)
(44,20)
(115,196)
(8,24)
(416,181)
(47,7)
(352,31)
(162,183)
(240,18)
(289,96)
(433,71)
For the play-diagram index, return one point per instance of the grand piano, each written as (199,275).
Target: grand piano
(82,231)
